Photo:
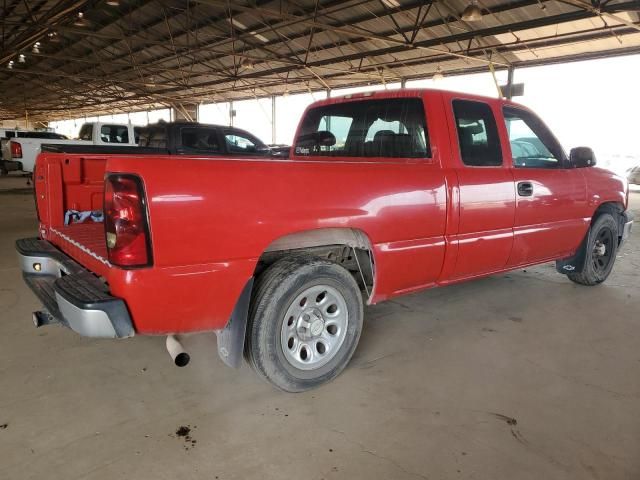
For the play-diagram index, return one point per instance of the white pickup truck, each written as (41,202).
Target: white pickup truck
(6,135)
(20,152)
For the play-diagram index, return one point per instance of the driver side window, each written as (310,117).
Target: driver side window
(532,144)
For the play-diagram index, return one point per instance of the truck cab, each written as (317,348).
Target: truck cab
(191,138)
(104,133)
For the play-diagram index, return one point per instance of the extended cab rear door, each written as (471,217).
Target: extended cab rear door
(486,192)
(551,217)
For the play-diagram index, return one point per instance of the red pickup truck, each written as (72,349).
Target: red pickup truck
(383,194)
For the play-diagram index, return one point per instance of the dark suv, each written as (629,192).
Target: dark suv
(197,138)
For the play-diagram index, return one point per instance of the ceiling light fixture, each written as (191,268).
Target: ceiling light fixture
(241,26)
(21,58)
(53,37)
(80,20)
(36,47)
(247,63)
(438,75)
(391,3)
(10,65)
(472,13)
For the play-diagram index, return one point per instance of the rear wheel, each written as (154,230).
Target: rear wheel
(601,251)
(305,323)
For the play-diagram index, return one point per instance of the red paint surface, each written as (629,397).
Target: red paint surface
(431,221)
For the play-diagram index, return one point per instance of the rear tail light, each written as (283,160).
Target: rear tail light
(125,222)
(16,149)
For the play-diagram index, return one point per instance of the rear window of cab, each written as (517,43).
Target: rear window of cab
(389,128)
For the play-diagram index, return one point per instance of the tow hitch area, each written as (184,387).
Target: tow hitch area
(41,318)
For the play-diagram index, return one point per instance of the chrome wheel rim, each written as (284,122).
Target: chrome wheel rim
(314,327)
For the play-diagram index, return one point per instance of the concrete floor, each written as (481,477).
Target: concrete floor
(518,376)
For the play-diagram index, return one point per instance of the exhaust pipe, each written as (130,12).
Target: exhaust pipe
(176,350)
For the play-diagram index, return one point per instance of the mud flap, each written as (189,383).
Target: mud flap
(574,264)
(231,338)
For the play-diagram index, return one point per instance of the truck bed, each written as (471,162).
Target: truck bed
(73,183)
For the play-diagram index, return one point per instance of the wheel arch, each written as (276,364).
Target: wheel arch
(349,247)
(616,209)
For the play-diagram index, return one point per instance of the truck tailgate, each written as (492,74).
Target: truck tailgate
(85,243)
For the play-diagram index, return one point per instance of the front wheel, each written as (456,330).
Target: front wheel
(601,252)
(305,322)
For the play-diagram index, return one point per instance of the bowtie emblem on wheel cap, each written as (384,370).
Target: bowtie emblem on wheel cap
(311,323)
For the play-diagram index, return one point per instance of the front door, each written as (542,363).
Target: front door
(486,191)
(551,196)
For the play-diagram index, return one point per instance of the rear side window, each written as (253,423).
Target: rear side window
(199,138)
(114,134)
(153,137)
(392,128)
(477,134)
(86,131)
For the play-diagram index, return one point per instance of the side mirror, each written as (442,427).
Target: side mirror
(581,157)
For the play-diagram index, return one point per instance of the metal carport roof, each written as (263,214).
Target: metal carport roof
(126,55)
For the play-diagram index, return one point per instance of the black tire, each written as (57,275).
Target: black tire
(274,293)
(597,267)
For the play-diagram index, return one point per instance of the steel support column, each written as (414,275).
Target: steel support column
(509,93)
(273,119)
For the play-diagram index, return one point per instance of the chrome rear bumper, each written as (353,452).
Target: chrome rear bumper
(71,295)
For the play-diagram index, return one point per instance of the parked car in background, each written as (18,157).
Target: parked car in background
(633,175)
(22,151)
(183,138)
(384,194)
(6,135)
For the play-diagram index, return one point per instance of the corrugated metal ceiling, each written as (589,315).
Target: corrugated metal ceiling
(126,55)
